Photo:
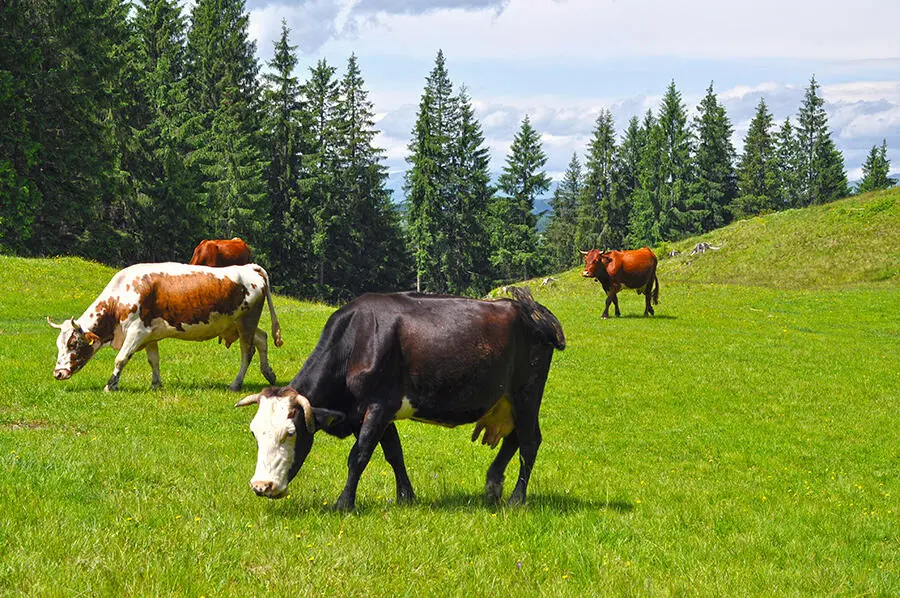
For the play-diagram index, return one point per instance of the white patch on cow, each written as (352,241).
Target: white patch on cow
(275,438)
(406,410)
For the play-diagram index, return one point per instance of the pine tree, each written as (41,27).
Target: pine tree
(876,169)
(319,196)
(560,235)
(429,181)
(787,151)
(644,223)
(224,96)
(680,212)
(715,183)
(514,236)
(821,166)
(283,141)
(469,248)
(630,158)
(166,216)
(603,214)
(370,253)
(758,167)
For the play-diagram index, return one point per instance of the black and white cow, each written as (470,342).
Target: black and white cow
(146,303)
(435,359)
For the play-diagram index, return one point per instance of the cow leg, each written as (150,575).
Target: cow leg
(609,299)
(374,425)
(393,453)
(615,298)
(247,350)
(648,309)
(134,338)
(260,340)
(493,488)
(153,359)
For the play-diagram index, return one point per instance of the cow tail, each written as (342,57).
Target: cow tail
(655,288)
(538,318)
(276,327)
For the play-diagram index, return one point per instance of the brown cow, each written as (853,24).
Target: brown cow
(631,269)
(218,253)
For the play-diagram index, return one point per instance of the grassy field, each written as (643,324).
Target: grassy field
(746,440)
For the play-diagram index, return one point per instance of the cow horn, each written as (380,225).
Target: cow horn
(57,326)
(248,400)
(583,252)
(75,325)
(303,402)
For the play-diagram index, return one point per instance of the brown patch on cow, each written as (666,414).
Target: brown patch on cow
(187,298)
(496,423)
(108,314)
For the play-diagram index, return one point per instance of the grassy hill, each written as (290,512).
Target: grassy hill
(743,441)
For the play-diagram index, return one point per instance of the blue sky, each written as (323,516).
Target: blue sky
(562,61)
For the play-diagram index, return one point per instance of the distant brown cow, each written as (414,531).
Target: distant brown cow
(633,269)
(218,253)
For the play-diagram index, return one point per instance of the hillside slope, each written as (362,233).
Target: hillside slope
(854,240)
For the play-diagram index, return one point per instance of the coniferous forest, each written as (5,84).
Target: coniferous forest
(131,131)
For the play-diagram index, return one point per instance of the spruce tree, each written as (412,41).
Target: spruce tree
(560,235)
(603,215)
(514,238)
(680,211)
(319,199)
(821,166)
(166,215)
(758,167)
(876,169)
(644,222)
(715,182)
(429,181)
(369,253)
(630,158)
(787,151)
(226,122)
(468,250)
(282,150)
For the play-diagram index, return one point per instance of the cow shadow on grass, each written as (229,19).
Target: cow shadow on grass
(470,502)
(642,317)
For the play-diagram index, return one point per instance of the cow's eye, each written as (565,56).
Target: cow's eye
(291,432)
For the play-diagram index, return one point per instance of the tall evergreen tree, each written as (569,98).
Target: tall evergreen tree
(514,235)
(468,242)
(166,216)
(758,167)
(560,235)
(429,181)
(603,215)
(224,95)
(283,141)
(876,169)
(715,182)
(630,158)
(370,253)
(680,212)
(644,223)
(821,165)
(787,151)
(320,199)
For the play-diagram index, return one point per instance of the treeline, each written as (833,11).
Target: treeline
(128,132)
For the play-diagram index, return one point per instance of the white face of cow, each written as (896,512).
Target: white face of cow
(275,428)
(74,348)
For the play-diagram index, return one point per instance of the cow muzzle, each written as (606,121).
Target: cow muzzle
(586,274)
(267,489)
(62,374)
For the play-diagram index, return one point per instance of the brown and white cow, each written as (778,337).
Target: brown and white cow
(630,269)
(146,303)
(217,253)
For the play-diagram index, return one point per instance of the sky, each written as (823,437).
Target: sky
(562,61)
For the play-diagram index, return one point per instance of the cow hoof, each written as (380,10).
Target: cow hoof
(110,388)
(156,386)
(270,376)
(605,316)
(344,506)
(234,387)
(406,497)
(516,500)
(492,492)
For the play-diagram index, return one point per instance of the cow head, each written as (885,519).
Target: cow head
(283,427)
(74,347)
(592,259)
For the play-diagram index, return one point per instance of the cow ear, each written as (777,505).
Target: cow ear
(326,418)
(91,338)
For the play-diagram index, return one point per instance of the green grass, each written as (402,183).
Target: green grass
(744,441)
